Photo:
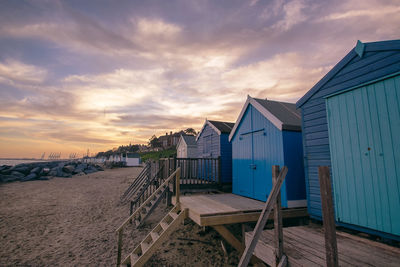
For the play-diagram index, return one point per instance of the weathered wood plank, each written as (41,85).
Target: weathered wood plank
(328,217)
(278,236)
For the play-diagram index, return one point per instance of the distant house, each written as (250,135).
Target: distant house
(351,122)
(187,147)
(268,133)
(212,142)
(171,139)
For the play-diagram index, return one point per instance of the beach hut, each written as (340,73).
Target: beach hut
(132,159)
(186,147)
(351,122)
(212,142)
(268,133)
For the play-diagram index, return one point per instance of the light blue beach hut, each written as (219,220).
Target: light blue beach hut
(351,122)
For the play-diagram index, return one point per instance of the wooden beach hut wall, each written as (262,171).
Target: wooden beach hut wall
(186,147)
(351,122)
(212,142)
(268,133)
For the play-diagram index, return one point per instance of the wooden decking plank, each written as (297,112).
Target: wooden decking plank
(304,245)
(308,251)
(237,202)
(297,257)
(352,250)
(318,241)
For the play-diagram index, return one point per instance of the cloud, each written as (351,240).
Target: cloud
(372,13)
(157,27)
(292,15)
(13,71)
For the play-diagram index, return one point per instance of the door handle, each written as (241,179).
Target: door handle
(253,166)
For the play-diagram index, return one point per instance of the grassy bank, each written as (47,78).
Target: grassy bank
(158,154)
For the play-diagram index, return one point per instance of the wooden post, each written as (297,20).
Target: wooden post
(120,233)
(168,196)
(219,170)
(244,260)
(328,217)
(178,183)
(278,232)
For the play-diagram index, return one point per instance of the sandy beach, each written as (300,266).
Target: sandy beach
(72,222)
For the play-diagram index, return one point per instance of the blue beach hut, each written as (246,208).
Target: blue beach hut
(212,142)
(351,122)
(268,133)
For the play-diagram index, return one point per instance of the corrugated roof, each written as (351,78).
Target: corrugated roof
(223,127)
(285,112)
(190,140)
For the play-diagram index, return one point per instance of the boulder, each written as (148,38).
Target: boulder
(44,172)
(80,168)
(99,168)
(53,171)
(29,177)
(8,178)
(4,167)
(36,170)
(21,168)
(68,169)
(17,174)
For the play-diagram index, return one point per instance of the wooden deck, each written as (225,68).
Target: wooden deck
(305,246)
(220,209)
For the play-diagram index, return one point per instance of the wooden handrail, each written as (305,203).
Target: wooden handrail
(149,198)
(245,259)
(120,229)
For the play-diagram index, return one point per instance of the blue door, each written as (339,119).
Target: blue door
(262,182)
(364,130)
(242,157)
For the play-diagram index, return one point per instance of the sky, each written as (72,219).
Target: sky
(79,75)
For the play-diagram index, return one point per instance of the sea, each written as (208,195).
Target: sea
(12,162)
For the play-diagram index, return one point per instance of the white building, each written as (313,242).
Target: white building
(132,159)
(186,147)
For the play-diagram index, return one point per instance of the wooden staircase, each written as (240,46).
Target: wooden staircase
(145,211)
(142,253)
(167,225)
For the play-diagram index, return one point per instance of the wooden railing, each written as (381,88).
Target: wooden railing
(147,188)
(199,171)
(273,201)
(331,251)
(174,177)
(139,180)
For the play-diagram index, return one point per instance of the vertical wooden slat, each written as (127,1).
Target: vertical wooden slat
(120,233)
(219,170)
(278,235)
(178,177)
(328,217)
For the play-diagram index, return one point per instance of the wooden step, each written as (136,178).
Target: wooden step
(154,236)
(173,215)
(145,246)
(134,258)
(164,225)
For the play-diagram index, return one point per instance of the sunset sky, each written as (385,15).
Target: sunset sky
(78,75)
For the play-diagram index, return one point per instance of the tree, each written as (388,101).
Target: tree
(154,141)
(190,131)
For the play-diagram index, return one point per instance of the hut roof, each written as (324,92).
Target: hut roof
(283,115)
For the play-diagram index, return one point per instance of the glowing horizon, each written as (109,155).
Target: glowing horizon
(96,75)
